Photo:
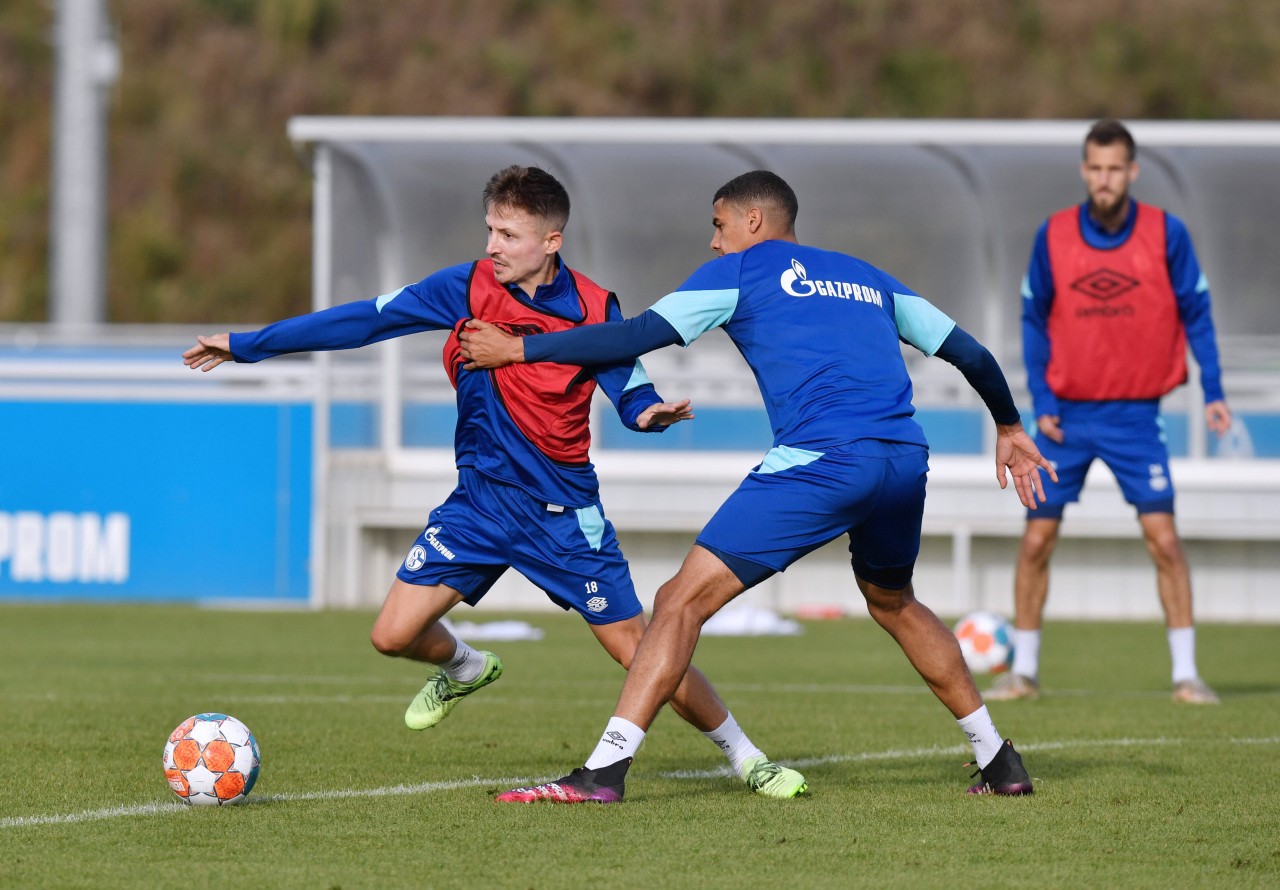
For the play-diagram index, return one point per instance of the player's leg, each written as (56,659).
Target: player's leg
(1133,446)
(1030,591)
(1031,574)
(1173,581)
(701,587)
(698,703)
(884,544)
(658,666)
(455,559)
(695,700)
(929,645)
(408,625)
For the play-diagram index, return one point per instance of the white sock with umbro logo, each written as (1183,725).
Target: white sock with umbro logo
(621,739)
(981,732)
(730,739)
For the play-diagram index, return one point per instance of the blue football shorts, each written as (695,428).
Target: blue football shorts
(1127,436)
(871,490)
(485,527)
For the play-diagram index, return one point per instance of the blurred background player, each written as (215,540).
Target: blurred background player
(527,494)
(821,332)
(1113,294)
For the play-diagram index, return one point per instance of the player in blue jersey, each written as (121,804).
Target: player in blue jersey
(527,495)
(821,332)
(1112,297)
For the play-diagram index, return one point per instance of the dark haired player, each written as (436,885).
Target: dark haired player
(821,333)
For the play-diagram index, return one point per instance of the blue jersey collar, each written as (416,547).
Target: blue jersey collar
(559,297)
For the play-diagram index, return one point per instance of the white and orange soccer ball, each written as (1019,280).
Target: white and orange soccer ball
(211,759)
(986,641)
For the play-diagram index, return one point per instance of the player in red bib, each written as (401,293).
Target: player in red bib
(527,496)
(1113,295)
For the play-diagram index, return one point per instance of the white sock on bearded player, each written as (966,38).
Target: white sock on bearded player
(1182,650)
(621,740)
(1026,653)
(982,734)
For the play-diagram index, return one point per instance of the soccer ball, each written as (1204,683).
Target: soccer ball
(211,759)
(986,641)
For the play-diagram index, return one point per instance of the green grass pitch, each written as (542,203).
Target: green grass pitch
(1131,790)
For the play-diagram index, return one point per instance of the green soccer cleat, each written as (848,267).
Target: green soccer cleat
(441,694)
(766,778)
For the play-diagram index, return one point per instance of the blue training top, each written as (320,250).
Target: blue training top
(820,331)
(486,438)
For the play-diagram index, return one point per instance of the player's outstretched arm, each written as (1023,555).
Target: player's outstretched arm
(209,352)
(1018,454)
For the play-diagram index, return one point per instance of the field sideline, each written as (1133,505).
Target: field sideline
(1131,790)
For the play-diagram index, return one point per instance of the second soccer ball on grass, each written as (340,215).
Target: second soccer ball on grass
(986,640)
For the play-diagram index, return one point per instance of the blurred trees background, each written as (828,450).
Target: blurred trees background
(210,207)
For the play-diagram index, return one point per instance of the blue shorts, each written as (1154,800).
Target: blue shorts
(796,501)
(486,527)
(1128,436)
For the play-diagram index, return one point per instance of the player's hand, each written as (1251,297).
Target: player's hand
(1218,416)
(487,346)
(1019,455)
(209,352)
(663,414)
(1049,425)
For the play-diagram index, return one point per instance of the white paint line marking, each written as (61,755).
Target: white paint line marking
(476,781)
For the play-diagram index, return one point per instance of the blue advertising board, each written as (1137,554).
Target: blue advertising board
(155,501)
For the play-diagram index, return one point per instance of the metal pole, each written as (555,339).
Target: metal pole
(88,63)
(324,590)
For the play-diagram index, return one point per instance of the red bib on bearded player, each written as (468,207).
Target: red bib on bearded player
(1114,330)
(549,403)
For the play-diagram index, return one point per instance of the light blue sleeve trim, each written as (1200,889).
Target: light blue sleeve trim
(784,457)
(1026,288)
(1202,284)
(921,323)
(694,312)
(387,298)
(639,377)
(591,522)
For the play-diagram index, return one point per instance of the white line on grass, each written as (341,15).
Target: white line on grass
(475,781)
(148,809)
(964,750)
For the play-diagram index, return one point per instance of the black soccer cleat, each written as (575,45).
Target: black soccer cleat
(1003,775)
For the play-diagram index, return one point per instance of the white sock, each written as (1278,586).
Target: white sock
(621,739)
(465,665)
(730,739)
(982,735)
(1182,648)
(1026,653)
